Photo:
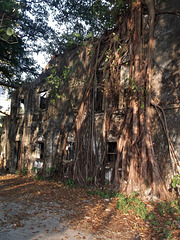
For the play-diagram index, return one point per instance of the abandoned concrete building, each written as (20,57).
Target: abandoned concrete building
(43,129)
(38,127)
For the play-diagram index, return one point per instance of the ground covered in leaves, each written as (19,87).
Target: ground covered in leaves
(52,210)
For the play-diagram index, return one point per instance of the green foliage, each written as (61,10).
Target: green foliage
(35,170)
(102,194)
(176,181)
(151,217)
(58,83)
(8,12)
(71,40)
(84,19)
(70,183)
(166,208)
(155,222)
(132,203)
(18,172)
(89,180)
(39,178)
(52,169)
(25,171)
(22,25)
(167,234)
(10,46)
(26,29)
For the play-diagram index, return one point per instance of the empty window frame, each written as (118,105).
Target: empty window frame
(70,149)
(111,151)
(40,150)
(43,100)
(98,100)
(21,110)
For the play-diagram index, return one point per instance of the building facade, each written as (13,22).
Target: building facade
(68,119)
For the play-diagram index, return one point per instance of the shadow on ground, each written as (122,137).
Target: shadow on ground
(31,209)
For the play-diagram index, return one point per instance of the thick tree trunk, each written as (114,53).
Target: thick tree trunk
(134,137)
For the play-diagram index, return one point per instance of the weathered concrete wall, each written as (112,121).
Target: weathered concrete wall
(166,81)
(35,133)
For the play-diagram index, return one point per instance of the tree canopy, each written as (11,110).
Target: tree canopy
(25,29)
(84,19)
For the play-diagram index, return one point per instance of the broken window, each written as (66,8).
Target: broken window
(40,150)
(111,159)
(70,149)
(21,106)
(111,151)
(43,100)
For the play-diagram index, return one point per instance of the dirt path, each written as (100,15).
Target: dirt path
(33,210)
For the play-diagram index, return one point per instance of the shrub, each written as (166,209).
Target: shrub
(129,203)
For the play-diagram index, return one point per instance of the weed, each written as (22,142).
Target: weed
(155,222)
(25,171)
(141,210)
(50,170)
(51,180)
(35,170)
(39,177)
(70,183)
(169,235)
(132,203)
(167,223)
(151,217)
(89,181)
(166,208)
(18,172)
(102,194)
(176,181)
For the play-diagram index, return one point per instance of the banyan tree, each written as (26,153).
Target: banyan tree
(118,86)
(117,73)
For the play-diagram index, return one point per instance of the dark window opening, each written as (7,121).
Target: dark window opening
(112,146)
(43,100)
(41,150)
(70,149)
(114,102)
(98,100)
(111,151)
